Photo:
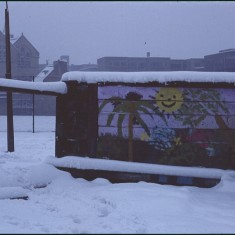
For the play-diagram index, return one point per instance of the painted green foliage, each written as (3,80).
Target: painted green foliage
(193,147)
(198,104)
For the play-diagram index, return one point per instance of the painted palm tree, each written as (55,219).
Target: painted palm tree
(131,106)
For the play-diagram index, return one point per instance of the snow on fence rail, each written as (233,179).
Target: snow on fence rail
(84,163)
(146,77)
(49,88)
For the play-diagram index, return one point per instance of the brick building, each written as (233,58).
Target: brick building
(24,58)
(135,64)
(220,62)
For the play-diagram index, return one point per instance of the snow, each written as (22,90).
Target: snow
(58,203)
(143,77)
(44,73)
(125,77)
(112,165)
(55,87)
(12,192)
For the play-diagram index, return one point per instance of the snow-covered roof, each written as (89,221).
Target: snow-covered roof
(49,87)
(44,73)
(143,77)
(13,39)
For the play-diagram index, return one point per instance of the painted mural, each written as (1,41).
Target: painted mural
(176,126)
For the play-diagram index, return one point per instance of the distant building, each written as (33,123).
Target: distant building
(83,67)
(195,64)
(224,61)
(24,66)
(135,64)
(178,65)
(46,105)
(65,58)
(220,62)
(14,57)
(24,58)
(52,73)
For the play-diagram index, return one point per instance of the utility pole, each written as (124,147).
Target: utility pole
(10,129)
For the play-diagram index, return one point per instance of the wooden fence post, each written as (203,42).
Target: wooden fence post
(77,120)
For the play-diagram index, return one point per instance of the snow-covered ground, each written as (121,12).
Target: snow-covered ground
(68,205)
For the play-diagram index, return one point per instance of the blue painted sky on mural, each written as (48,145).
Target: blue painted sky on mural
(89,30)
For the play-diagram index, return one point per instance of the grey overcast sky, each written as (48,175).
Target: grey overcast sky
(90,30)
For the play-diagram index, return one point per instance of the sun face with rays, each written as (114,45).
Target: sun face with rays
(169,99)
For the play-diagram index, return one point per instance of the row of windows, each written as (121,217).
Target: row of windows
(151,65)
(140,65)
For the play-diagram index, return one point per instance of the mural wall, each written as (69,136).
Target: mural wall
(162,125)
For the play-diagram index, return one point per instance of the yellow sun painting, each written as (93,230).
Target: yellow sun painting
(169,99)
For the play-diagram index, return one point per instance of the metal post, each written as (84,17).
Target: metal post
(10,129)
(33,108)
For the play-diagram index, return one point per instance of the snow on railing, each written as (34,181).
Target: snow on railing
(85,163)
(37,87)
(145,77)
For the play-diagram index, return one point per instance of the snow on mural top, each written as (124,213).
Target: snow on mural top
(144,77)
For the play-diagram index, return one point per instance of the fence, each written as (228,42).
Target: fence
(177,124)
(179,119)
